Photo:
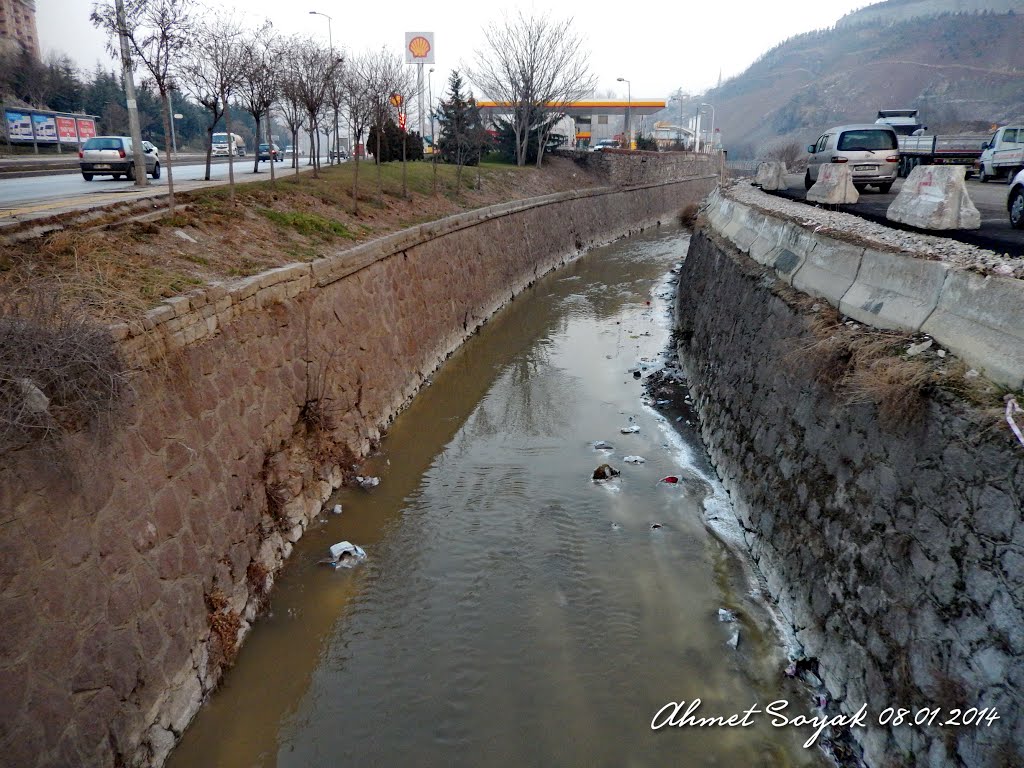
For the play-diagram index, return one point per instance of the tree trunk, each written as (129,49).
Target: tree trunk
(380,170)
(295,149)
(355,182)
(209,147)
(165,109)
(270,147)
(256,160)
(231,153)
(405,187)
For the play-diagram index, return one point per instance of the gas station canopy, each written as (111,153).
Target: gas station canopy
(589,107)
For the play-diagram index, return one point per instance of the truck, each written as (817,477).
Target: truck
(221,146)
(918,147)
(1003,154)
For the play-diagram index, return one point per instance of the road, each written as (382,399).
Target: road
(990,199)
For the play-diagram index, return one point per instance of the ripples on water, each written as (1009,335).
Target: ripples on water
(512,611)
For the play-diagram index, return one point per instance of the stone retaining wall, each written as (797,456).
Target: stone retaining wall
(895,551)
(133,560)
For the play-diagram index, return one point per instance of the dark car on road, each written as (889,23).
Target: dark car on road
(112,156)
(268,151)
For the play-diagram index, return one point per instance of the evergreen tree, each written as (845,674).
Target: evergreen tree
(462,138)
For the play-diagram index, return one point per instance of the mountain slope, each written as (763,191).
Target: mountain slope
(963,71)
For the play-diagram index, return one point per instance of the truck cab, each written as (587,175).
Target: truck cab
(1003,154)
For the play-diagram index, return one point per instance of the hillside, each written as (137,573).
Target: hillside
(963,71)
(903,10)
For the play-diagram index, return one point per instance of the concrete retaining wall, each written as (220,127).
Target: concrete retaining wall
(978,318)
(896,552)
(133,560)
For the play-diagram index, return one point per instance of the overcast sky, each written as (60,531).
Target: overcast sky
(664,47)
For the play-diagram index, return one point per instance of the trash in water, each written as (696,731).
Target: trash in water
(337,509)
(344,554)
(727,616)
(616,527)
(604,472)
(670,479)
(631,429)
(603,445)
(662,402)
(366,483)
(680,418)
(636,374)
(734,640)
(634,459)
(655,526)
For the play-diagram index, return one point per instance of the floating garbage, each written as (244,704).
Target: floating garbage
(636,374)
(616,527)
(631,429)
(603,445)
(336,510)
(669,479)
(734,640)
(655,526)
(345,554)
(727,616)
(634,459)
(604,472)
(366,483)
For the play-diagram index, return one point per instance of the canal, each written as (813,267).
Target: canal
(512,611)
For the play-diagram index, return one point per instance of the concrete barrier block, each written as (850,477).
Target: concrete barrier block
(829,269)
(771,175)
(981,319)
(935,197)
(894,291)
(834,185)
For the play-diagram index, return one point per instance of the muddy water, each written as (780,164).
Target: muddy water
(512,611)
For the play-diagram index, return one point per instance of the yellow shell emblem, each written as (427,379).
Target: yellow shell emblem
(419,47)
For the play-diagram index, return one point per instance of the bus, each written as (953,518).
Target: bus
(221,147)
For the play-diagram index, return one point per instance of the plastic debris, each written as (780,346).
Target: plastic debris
(344,554)
(603,445)
(604,472)
(336,510)
(916,349)
(634,459)
(616,527)
(669,479)
(726,616)
(631,429)
(734,639)
(655,526)
(366,483)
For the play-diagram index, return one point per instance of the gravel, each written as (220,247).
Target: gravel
(845,226)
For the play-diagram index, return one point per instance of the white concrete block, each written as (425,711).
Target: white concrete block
(894,290)
(829,269)
(834,185)
(935,197)
(771,175)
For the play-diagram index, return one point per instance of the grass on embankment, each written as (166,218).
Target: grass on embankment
(115,270)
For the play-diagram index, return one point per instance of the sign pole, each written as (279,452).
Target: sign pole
(419,93)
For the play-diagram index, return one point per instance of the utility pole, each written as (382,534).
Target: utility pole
(129,91)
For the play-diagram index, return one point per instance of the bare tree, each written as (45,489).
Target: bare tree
(360,110)
(404,92)
(384,73)
(289,105)
(535,65)
(157,31)
(199,78)
(315,67)
(258,80)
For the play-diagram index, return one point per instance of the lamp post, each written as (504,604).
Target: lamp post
(711,141)
(330,44)
(629,109)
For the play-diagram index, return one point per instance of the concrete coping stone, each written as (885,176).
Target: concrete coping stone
(829,269)
(751,224)
(794,246)
(767,241)
(180,305)
(981,319)
(894,291)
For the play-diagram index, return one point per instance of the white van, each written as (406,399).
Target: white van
(871,149)
(221,146)
(1003,154)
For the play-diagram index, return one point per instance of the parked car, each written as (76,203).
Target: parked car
(112,156)
(339,154)
(268,151)
(603,144)
(871,149)
(1015,201)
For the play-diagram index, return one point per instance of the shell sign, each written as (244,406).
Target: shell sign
(419,47)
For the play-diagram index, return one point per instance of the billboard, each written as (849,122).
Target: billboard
(19,126)
(45,128)
(419,48)
(86,128)
(66,130)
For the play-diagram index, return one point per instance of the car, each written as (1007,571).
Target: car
(289,151)
(1015,201)
(339,154)
(603,144)
(268,151)
(112,156)
(871,150)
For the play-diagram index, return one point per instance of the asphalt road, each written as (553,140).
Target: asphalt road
(995,234)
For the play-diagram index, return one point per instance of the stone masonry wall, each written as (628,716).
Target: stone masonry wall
(629,168)
(133,559)
(896,552)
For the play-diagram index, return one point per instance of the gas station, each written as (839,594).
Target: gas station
(592,117)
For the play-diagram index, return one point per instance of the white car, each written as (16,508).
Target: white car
(604,144)
(1015,201)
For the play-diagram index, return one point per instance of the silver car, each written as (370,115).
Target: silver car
(112,156)
(871,150)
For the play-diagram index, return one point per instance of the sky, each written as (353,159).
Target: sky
(663,47)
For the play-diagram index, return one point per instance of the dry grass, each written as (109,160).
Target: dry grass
(224,625)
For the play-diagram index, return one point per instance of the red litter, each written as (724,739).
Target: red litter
(670,479)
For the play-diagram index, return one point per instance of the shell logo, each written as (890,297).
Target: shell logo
(419,47)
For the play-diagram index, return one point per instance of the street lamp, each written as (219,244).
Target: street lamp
(712,140)
(629,108)
(330,44)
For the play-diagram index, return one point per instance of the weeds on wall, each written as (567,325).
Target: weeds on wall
(59,371)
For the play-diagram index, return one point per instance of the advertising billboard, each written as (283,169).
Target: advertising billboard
(67,130)
(19,126)
(86,128)
(419,48)
(45,128)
